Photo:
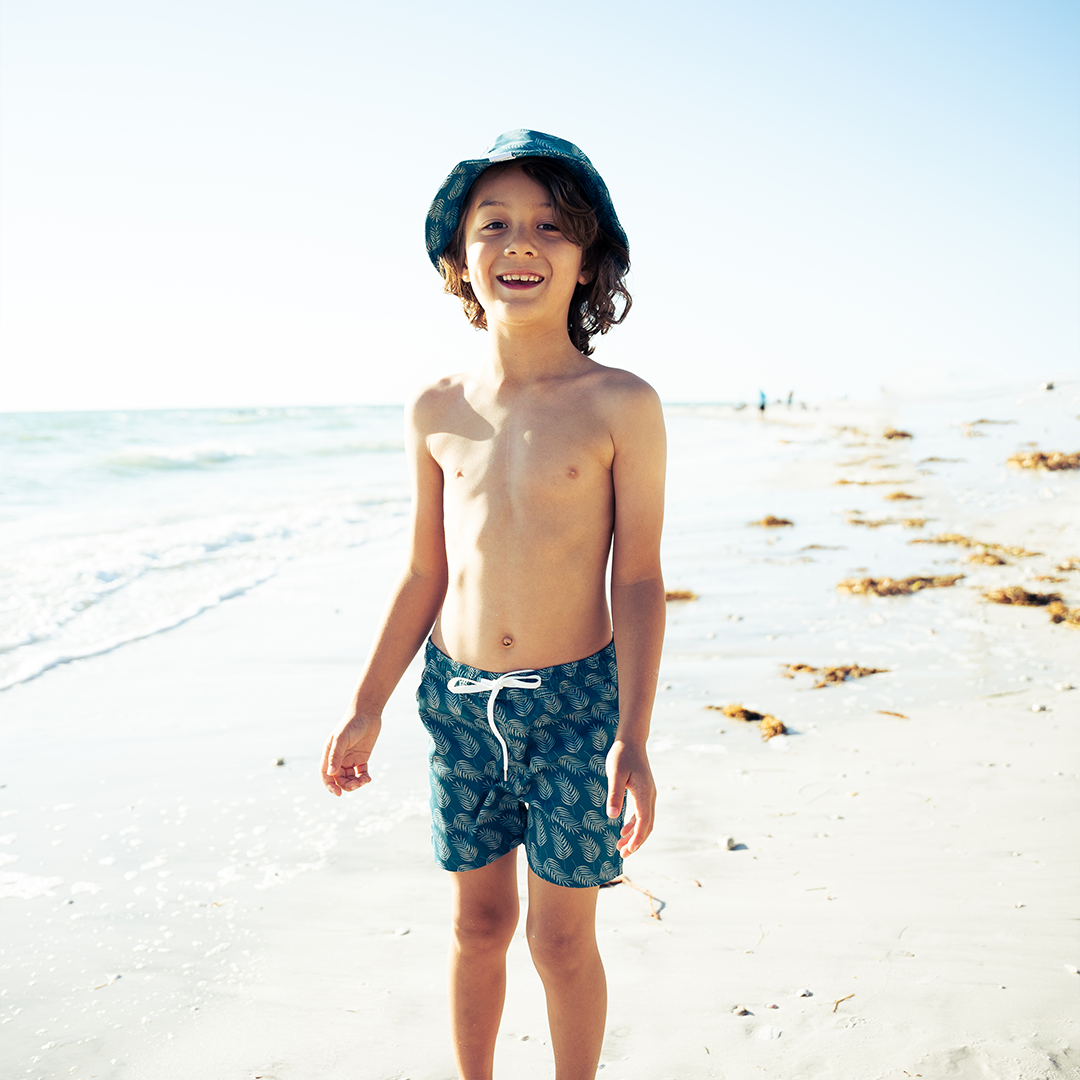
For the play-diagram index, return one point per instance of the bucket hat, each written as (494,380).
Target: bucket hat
(445,210)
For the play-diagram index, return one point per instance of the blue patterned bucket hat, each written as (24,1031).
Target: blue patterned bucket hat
(445,210)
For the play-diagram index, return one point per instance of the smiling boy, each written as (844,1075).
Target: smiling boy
(529,471)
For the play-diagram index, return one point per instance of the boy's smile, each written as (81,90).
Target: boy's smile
(515,250)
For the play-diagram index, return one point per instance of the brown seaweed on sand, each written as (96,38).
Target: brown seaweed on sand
(1059,613)
(968,541)
(986,558)
(828,675)
(1056,608)
(895,496)
(892,433)
(876,523)
(1017,594)
(770,522)
(680,594)
(895,586)
(869,483)
(1036,459)
(767,724)
(943,460)
(1071,563)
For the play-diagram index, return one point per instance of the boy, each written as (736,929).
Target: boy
(527,471)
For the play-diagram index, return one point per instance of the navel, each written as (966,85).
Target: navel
(507,640)
(572,472)
(458,474)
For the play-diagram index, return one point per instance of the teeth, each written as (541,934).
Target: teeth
(520,277)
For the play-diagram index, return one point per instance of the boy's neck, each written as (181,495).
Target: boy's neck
(517,354)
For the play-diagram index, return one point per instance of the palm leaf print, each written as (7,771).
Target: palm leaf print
(466,796)
(545,741)
(610,842)
(467,771)
(563,848)
(541,830)
(572,740)
(599,738)
(555,873)
(466,851)
(572,765)
(594,821)
(543,787)
(440,742)
(597,792)
(607,872)
(442,849)
(567,792)
(439,793)
(590,850)
(491,838)
(585,875)
(469,746)
(561,816)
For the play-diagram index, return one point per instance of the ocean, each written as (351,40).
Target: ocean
(118,525)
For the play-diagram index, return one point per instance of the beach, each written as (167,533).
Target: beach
(886,889)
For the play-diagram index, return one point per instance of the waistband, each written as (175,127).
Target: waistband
(451,668)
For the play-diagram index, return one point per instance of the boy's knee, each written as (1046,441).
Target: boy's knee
(486,927)
(558,949)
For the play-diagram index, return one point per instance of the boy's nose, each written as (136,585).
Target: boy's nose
(519,243)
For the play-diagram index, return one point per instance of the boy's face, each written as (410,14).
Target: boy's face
(521,266)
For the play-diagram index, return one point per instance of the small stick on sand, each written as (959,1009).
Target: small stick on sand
(838,1000)
(887,712)
(622,879)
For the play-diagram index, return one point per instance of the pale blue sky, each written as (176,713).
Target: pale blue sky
(222,203)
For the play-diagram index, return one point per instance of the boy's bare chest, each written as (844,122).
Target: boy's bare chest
(535,459)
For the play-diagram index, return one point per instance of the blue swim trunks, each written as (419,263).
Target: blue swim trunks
(518,757)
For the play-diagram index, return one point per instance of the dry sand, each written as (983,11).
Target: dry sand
(902,890)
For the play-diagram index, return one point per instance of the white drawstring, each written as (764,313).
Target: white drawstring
(512,679)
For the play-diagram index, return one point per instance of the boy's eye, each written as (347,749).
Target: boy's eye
(550,226)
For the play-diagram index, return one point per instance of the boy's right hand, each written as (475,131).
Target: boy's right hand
(345,759)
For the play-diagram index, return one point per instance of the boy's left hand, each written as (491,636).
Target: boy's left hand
(628,771)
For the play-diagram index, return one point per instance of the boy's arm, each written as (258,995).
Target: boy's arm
(413,609)
(637,601)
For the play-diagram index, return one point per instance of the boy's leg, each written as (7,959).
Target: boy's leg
(561,928)
(485,917)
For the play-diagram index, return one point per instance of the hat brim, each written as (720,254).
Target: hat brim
(451,199)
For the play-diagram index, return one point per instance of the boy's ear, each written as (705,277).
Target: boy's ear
(584,277)
(465,273)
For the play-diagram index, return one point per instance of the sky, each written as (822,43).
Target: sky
(221,202)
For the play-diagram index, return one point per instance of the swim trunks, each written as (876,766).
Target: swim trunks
(519,757)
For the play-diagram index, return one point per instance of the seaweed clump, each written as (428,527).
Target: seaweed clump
(767,724)
(770,522)
(1056,608)
(827,675)
(1036,459)
(1017,594)
(894,496)
(876,523)
(1071,563)
(986,558)
(970,542)
(892,433)
(1059,613)
(680,594)
(895,586)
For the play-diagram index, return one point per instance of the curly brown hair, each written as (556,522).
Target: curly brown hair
(598,305)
